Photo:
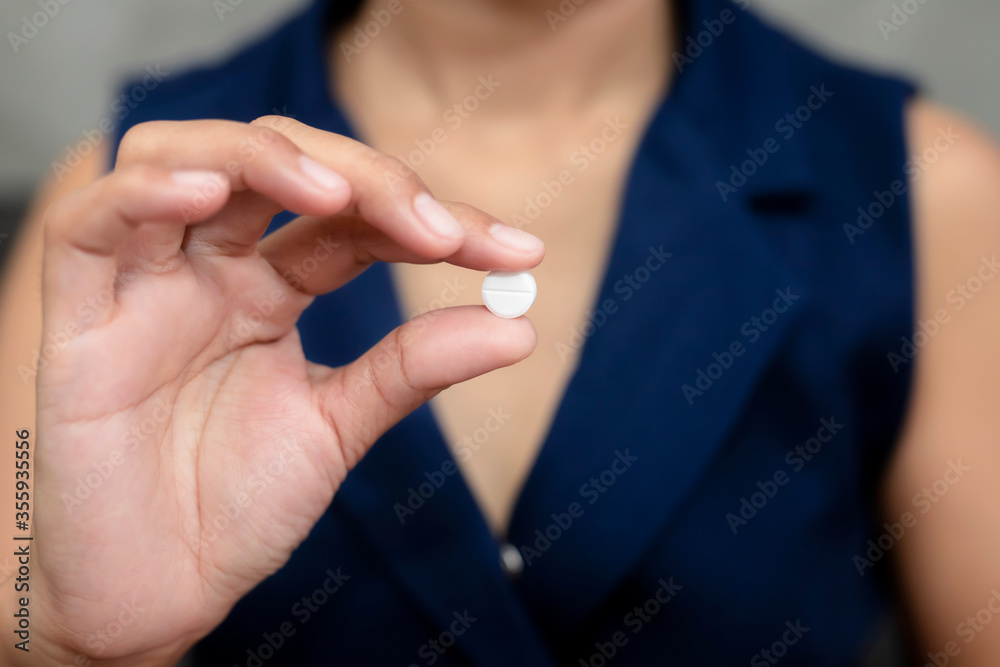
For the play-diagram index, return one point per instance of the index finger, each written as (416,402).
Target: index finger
(384,192)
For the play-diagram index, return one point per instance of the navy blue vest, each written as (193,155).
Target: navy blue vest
(708,481)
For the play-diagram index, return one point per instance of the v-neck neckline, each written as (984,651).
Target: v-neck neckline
(616,400)
(671,101)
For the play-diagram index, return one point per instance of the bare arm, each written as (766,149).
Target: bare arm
(946,473)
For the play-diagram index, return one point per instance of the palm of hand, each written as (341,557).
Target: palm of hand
(215,476)
(186,446)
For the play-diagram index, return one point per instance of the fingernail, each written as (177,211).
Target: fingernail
(437,218)
(322,176)
(514,238)
(197,178)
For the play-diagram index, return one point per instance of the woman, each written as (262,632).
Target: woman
(719,439)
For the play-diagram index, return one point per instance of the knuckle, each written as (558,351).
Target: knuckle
(392,170)
(260,140)
(378,381)
(360,253)
(465,211)
(269,120)
(138,140)
(131,176)
(277,123)
(400,341)
(126,180)
(385,367)
(129,144)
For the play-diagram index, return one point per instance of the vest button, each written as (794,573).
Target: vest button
(510,560)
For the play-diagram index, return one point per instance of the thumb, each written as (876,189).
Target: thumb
(413,364)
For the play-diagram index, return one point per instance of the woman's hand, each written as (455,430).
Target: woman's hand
(180,389)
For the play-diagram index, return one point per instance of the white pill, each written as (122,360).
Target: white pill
(509,294)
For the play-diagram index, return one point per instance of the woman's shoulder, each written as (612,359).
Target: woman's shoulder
(809,64)
(965,165)
(828,111)
(955,178)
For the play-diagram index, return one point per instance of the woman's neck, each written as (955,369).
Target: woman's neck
(544,57)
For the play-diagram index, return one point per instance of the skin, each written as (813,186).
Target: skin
(224,417)
(510,139)
(221,404)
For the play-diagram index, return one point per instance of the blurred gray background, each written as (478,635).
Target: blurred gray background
(59,83)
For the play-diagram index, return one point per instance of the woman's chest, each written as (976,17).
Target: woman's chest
(570,198)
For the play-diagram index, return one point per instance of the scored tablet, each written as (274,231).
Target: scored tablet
(509,294)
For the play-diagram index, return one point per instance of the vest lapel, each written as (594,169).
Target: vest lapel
(628,444)
(443,557)
(654,396)
(442,554)
(677,344)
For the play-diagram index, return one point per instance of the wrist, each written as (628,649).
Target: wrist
(48,644)
(30,634)
(24,640)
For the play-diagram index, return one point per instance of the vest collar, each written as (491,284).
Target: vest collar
(627,401)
